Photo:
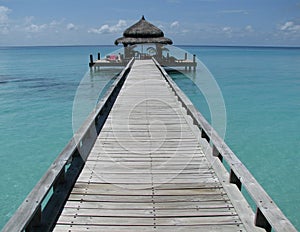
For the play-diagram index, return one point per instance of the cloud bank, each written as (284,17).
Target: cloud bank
(107,29)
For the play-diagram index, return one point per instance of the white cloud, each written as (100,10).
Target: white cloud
(106,29)
(174,24)
(249,28)
(56,26)
(4,21)
(227,29)
(71,27)
(4,11)
(34,28)
(54,23)
(286,26)
(290,27)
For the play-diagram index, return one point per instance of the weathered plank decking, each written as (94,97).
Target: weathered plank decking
(147,170)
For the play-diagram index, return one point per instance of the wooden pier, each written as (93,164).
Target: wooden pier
(147,170)
(146,160)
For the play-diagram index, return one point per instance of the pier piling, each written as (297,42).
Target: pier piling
(91,60)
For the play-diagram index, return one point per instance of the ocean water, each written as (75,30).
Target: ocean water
(260,86)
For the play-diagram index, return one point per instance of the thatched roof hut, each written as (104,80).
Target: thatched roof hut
(143,32)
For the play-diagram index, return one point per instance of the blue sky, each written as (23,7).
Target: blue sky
(186,22)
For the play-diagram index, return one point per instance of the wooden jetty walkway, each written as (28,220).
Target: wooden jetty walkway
(147,170)
(148,162)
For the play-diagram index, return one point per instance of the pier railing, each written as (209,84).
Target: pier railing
(41,208)
(268,215)
(168,61)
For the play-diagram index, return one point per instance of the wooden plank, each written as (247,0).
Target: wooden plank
(210,205)
(148,220)
(90,228)
(148,199)
(149,213)
(112,189)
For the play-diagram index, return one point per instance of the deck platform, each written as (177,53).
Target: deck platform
(166,62)
(148,170)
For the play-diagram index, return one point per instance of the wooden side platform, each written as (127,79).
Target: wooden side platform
(147,170)
(187,64)
(166,62)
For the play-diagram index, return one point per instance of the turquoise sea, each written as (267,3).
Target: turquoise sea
(260,86)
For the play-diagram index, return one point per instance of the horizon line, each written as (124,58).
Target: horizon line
(179,45)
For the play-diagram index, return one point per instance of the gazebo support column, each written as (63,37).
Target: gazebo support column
(159,51)
(126,51)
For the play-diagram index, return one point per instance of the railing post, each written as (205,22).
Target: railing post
(60,179)
(35,221)
(261,221)
(194,62)
(185,56)
(99,57)
(235,180)
(91,60)
(205,136)
(216,153)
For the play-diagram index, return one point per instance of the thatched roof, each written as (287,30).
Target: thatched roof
(143,32)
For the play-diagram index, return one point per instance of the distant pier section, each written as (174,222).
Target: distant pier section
(144,41)
(120,61)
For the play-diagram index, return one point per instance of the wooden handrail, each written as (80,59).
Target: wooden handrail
(63,172)
(268,214)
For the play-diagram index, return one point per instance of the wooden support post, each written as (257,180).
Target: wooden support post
(216,153)
(35,221)
(194,62)
(60,179)
(235,180)
(261,221)
(91,60)
(99,57)
(122,58)
(204,135)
